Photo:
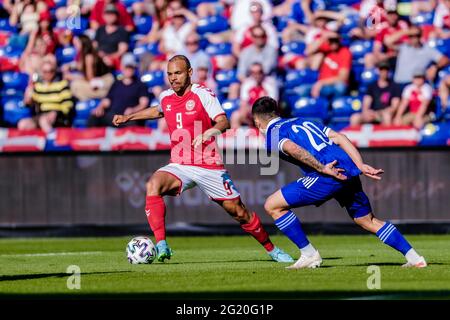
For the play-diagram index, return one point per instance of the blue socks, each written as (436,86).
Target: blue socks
(392,237)
(290,225)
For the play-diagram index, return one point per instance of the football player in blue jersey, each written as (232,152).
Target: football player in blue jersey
(331,167)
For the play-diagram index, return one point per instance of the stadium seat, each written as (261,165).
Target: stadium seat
(313,108)
(11,51)
(349,23)
(443,45)
(423,18)
(230,106)
(14,80)
(153,78)
(216,49)
(360,48)
(225,78)
(12,93)
(435,134)
(66,55)
(14,110)
(143,24)
(150,48)
(83,111)
(5,26)
(344,107)
(296,78)
(297,47)
(442,115)
(367,77)
(213,24)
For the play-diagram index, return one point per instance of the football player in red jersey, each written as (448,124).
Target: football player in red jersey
(194,117)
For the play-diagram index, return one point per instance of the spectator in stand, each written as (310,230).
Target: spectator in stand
(414,55)
(381,51)
(372,15)
(241,16)
(381,100)
(90,77)
(84,6)
(444,92)
(41,46)
(196,56)
(111,39)
(51,101)
(181,22)
(334,71)
(260,51)
(242,37)
(127,95)
(415,103)
(309,34)
(97,17)
(221,7)
(255,86)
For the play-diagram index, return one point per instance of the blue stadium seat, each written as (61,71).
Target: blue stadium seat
(435,134)
(442,115)
(150,48)
(216,49)
(313,108)
(129,3)
(14,80)
(443,45)
(11,51)
(12,93)
(297,47)
(281,23)
(213,24)
(367,77)
(60,3)
(153,78)
(83,111)
(5,26)
(360,48)
(230,106)
(66,55)
(225,78)
(344,107)
(423,18)
(295,78)
(143,24)
(349,23)
(14,110)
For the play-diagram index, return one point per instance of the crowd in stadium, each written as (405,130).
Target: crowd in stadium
(377,61)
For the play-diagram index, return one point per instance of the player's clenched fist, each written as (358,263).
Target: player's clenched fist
(119,119)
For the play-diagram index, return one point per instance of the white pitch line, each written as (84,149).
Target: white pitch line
(50,254)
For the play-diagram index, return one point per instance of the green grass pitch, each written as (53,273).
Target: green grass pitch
(232,267)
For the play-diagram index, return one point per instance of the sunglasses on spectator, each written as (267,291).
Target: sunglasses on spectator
(190,43)
(416,35)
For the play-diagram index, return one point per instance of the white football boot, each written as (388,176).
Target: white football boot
(313,261)
(419,264)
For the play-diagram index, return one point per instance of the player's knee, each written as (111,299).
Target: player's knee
(270,209)
(153,187)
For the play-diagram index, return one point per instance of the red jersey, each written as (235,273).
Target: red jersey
(388,30)
(187,117)
(333,62)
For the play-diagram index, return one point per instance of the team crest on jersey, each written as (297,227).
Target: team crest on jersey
(190,105)
(169,107)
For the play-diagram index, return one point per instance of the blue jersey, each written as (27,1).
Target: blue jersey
(313,137)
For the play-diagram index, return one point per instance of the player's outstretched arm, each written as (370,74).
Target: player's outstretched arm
(342,141)
(146,114)
(295,151)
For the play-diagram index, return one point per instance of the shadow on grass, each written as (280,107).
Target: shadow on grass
(16,277)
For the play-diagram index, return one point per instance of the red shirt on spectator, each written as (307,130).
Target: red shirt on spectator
(387,30)
(417,95)
(125,19)
(334,61)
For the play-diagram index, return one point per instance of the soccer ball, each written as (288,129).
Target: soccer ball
(141,250)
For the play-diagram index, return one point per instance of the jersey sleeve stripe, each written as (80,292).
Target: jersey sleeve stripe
(280,145)
(326,130)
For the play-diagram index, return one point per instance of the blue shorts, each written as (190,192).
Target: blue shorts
(316,190)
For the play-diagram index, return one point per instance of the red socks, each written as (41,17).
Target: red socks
(255,228)
(155,209)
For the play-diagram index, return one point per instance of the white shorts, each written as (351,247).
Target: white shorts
(217,184)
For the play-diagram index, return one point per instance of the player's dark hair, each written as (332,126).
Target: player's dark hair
(265,107)
(183,58)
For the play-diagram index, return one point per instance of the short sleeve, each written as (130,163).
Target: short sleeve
(427,92)
(406,94)
(434,54)
(210,102)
